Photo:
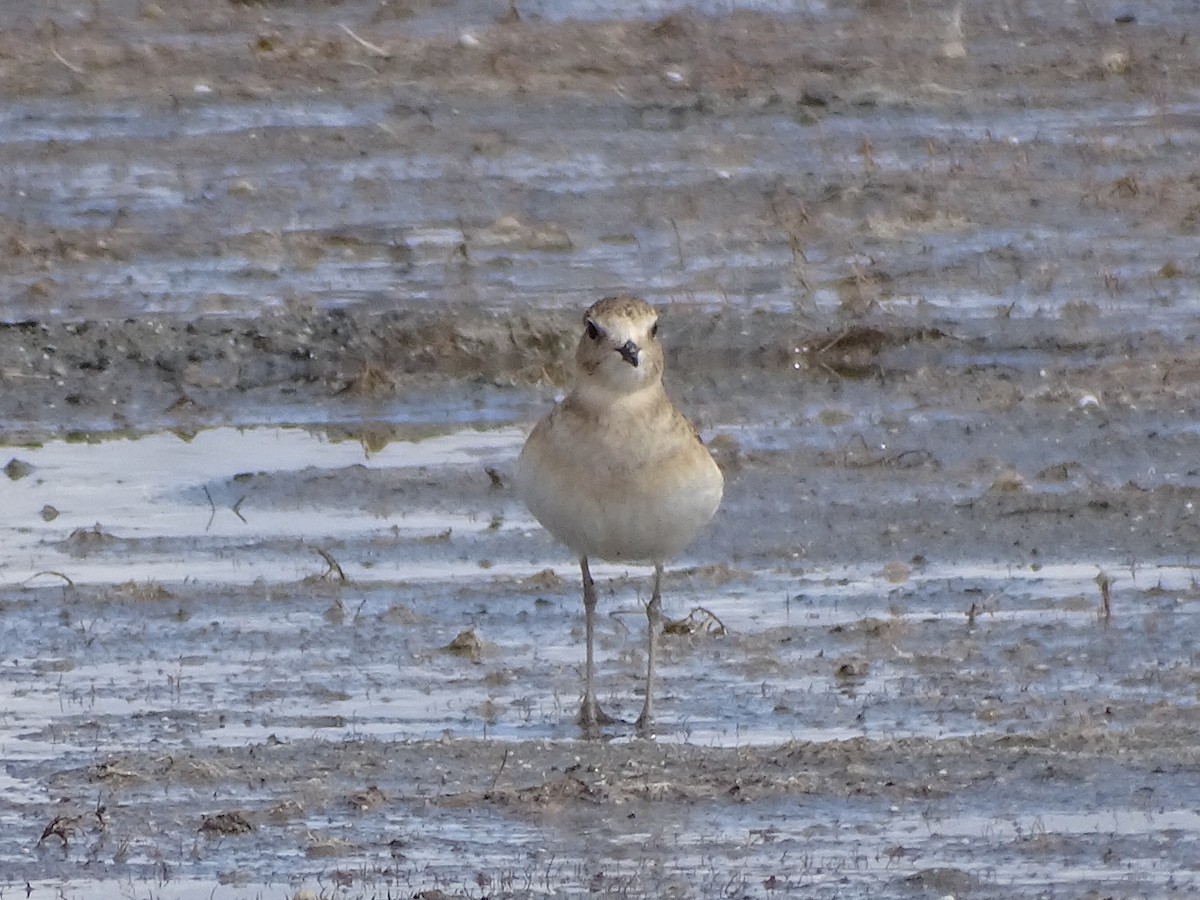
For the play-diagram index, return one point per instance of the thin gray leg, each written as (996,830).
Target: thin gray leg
(645,721)
(591,716)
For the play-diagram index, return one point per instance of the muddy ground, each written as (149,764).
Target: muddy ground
(284,283)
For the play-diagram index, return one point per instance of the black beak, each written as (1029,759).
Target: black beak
(629,353)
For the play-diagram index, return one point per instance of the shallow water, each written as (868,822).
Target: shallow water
(934,312)
(153,495)
(189,631)
(344,228)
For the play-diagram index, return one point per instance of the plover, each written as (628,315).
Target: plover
(616,472)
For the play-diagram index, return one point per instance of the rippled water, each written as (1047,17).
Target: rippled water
(201,601)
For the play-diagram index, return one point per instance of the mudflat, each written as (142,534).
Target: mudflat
(284,285)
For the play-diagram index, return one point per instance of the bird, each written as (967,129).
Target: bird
(614,471)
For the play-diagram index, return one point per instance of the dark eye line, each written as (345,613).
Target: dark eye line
(593,330)
(654,329)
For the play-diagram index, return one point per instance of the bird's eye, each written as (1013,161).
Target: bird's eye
(593,330)
(654,330)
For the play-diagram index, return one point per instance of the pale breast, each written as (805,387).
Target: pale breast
(622,489)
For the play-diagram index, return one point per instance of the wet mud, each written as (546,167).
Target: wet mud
(285,284)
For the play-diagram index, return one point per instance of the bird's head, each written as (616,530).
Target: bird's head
(619,350)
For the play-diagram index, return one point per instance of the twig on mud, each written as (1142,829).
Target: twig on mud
(499,771)
(838,338)
(212,507)
(334,567)
(846,449)
(678,245)
(374,49)
(362,65)
(698,620)
(904,459)
(1104,581)
(712,615)
(70,65)
(61,827)
(462,249)
(383,126)
(69,582)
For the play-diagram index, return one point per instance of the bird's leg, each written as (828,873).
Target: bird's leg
(653,620)
(591,716)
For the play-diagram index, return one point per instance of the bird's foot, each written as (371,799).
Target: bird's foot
(592,718)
